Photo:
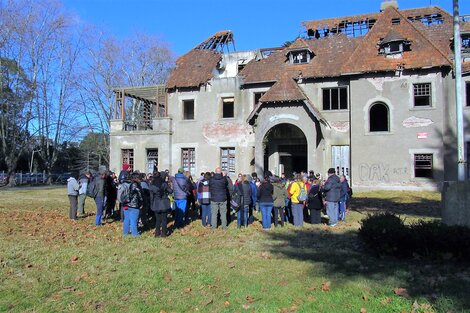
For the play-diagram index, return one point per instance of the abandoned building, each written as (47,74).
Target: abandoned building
(371,95)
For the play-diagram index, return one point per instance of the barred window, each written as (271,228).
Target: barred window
(227,160)
(423,165)
(422,95)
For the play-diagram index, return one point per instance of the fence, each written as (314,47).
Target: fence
(25,178)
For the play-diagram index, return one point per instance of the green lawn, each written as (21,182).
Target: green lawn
(51,264)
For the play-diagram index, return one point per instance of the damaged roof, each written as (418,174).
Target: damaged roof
(428,29)
(285,90)
(195,67)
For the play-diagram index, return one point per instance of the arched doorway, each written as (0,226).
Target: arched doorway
(285,149)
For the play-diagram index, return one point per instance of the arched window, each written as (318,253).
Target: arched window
(379,118)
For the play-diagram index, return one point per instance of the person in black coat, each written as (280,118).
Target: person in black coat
(244,188)
(160,203)
(219,190)
(315,202)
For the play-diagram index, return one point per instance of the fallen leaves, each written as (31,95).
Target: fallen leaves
(74,259)
(363,310)
(167,277)
(326,286)
(401,292)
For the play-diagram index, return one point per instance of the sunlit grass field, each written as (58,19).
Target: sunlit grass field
(51,264)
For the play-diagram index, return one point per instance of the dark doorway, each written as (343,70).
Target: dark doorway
(285,149)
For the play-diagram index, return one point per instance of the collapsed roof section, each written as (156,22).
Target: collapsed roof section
(195,68)
(428,30)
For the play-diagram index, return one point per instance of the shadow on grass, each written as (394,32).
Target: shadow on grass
(421,207)
(341,257)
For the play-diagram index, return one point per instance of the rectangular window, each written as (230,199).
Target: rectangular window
(335,98)
(227,160)
(188,160)
(127,157)
(467,93)
(423,165)
(152,160)
(228,107)
(188,109)
(256,97)
(422,95)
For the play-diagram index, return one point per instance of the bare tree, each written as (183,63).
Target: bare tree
(138,60)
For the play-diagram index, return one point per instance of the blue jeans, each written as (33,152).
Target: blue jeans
(206,214)
(242,216)
(298,214)
(266,210)
(332,212)
(99,201)
(342,210)
(180,212)
(131,216)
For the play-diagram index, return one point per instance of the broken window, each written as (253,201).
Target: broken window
(188,109)
(467,93)
(422,95)
(378,118)
(127,157)
(423,165)
(188,160)
(256,97)
(228,107)
(466,43)
(335,98)
(152,160)
(227,160)
(396,21)
(299,57)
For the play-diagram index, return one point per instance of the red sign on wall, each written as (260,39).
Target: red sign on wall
(422,135)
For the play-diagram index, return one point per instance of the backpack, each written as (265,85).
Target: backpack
(91,189)
(236,200)
(302,194)
(350,192)
(123,193)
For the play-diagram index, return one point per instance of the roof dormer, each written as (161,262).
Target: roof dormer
(393,45)
(299,56)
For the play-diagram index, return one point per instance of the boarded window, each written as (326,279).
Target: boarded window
(227,160)
(152,160)
(335,98)
(423,165)
(378,118)
(422,95)
(467,93)
(127,157)
(188,160)
(228,108)
(188,109)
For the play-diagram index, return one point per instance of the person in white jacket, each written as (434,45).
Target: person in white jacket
(83,183)
(72,191)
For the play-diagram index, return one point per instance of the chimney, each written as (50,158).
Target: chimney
(388,3)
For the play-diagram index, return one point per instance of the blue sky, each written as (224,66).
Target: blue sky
(255,23)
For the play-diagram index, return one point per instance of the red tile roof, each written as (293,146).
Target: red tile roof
(193,69)
(285,90)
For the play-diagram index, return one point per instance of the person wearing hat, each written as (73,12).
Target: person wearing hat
(332,190)
(181,189)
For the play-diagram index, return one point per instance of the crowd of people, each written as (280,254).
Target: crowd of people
(150,199)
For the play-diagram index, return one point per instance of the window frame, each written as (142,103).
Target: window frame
(370,119)
(230,163)
(467,94)
(426,86)
(223,101)
(191,159)
(127,156)
(183,113)
(423,157)
(338,88)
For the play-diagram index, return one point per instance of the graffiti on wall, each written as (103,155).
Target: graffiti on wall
(379,172)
